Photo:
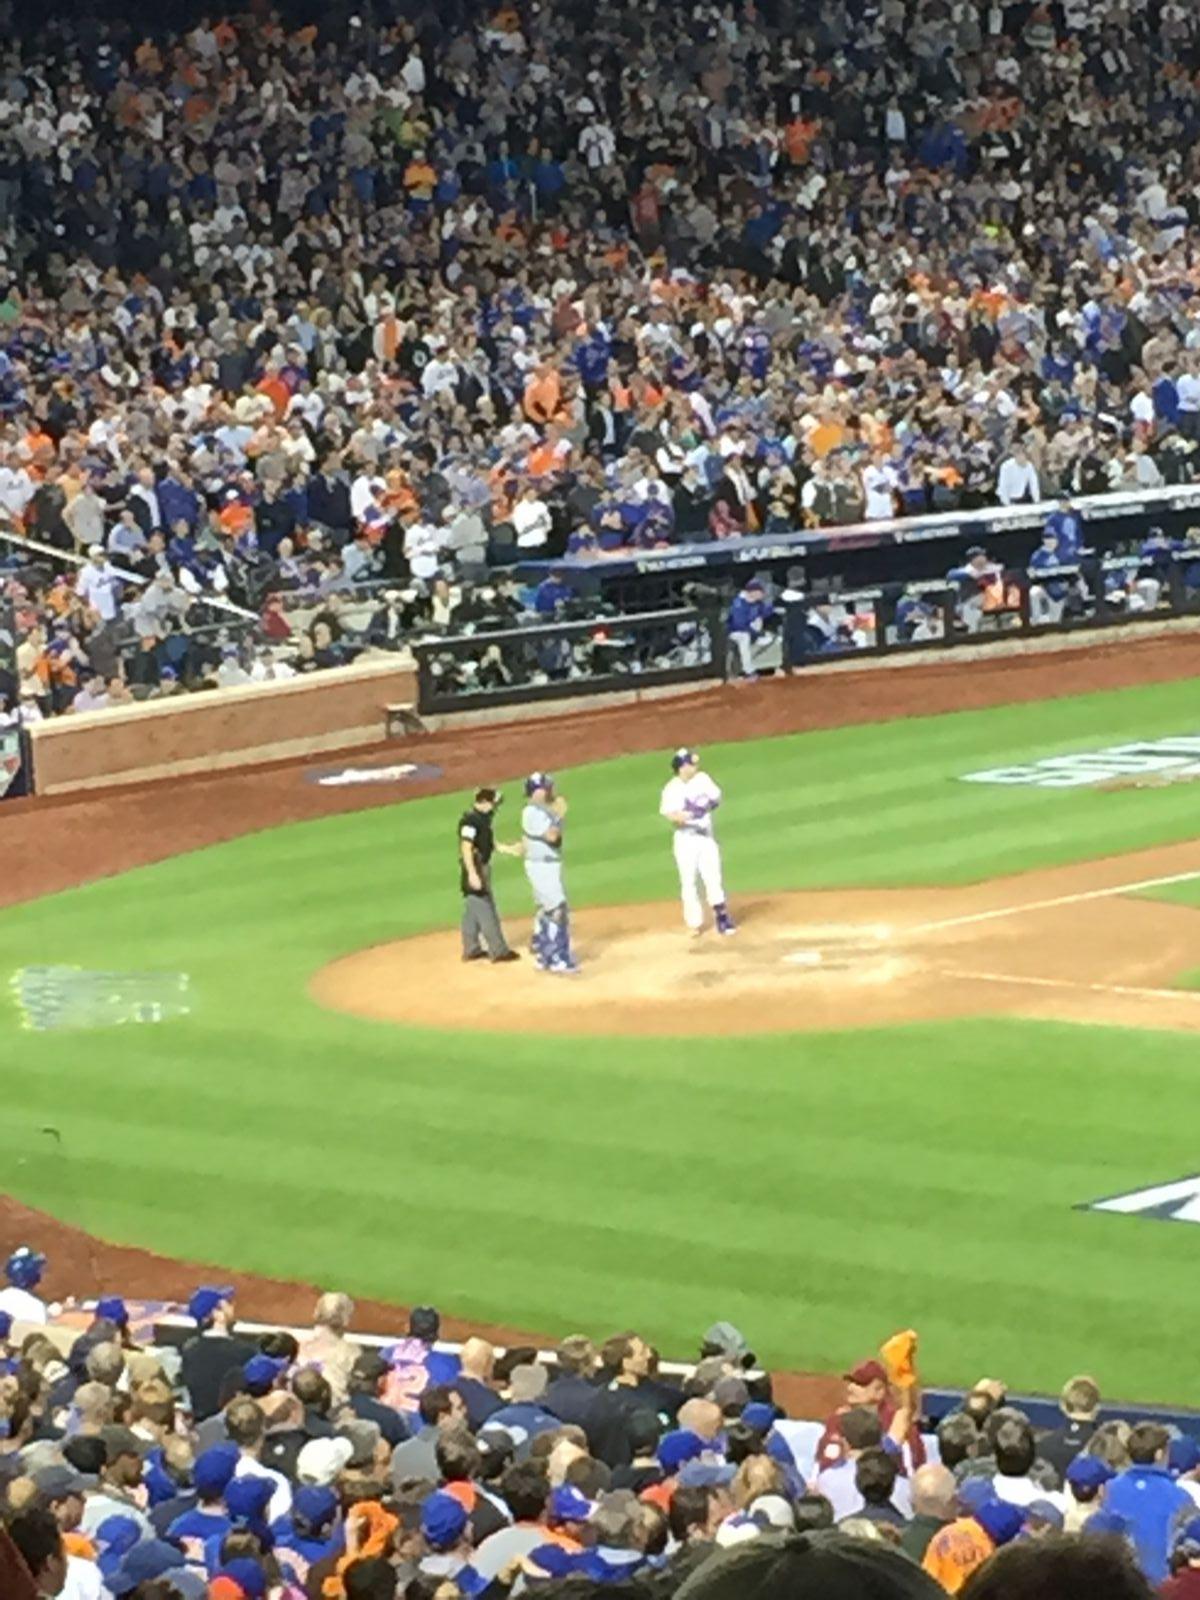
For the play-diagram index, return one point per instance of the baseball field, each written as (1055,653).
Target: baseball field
(956,1016)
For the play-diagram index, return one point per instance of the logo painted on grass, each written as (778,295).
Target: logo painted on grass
(346,777)
(1164,1202)
(70,997)
(1175,758)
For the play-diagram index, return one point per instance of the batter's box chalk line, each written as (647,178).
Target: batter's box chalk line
(803,958)
(71,997)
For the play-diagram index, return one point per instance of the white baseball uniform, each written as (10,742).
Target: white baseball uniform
(697,854)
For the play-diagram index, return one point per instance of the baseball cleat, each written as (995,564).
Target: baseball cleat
(726,926)
(564,968)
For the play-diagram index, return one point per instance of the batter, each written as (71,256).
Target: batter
(688,802)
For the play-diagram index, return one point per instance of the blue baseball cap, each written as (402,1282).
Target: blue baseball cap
(974,1492)
(684,758)
(206,1300)
(1089,1472)
(1045,1511)
(539,780)
(706,1474)
(314,1505)
(214,1470)
(1183,1454)
(248,1574)
(569,1504)
(470,1582)
(24,1268)
(675,1449)
(118,1533)
(150,1559)
(115,1537)
(1000,1521)
(259,1374)
(443,1520)
(247,1498)
(113,1309)
(759,1415)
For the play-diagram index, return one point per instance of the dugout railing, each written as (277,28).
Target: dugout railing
(1099,591)
(553,661)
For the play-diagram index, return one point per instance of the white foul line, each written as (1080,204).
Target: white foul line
(1070,983)
(1059,900)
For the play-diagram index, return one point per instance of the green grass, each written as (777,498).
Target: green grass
(820,1191)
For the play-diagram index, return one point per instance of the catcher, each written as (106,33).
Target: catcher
(541,846)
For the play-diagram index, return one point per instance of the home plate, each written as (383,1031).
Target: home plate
(803,958)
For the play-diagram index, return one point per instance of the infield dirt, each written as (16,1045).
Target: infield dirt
(1078,943)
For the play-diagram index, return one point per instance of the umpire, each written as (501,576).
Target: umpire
(480,919)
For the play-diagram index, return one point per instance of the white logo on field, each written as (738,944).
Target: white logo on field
(1175,757)
(340,780)
(70,997)
(1165,1202)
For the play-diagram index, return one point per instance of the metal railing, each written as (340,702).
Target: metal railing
(549,662)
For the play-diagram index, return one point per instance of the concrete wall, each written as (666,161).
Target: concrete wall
(337,710)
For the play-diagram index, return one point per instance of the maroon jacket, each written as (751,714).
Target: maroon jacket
(831,1448)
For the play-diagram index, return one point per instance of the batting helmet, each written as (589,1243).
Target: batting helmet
(539,780)
(24,1268)
(684,758)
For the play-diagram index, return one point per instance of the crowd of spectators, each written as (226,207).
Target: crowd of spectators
(313,296)
(320,1468)
(81,646)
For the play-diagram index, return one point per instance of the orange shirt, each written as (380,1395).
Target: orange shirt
(798,137)
(420,179)
(542,460)
(955,1551)
(235,517)
(543,397)
(38,444)
(826,436)
(277,392)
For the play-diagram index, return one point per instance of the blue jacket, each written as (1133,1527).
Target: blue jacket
(550,594)
(1166,399)
(1039,561)
(1067,528)
(745,613)
(1153,1504)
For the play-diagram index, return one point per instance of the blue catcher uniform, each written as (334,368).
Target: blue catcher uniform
(542,828)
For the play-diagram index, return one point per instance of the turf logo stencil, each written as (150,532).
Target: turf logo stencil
(1164,1202)
(348,777)
(1148,761)
(70,997)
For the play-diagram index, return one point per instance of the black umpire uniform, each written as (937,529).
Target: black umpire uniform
(482,934)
